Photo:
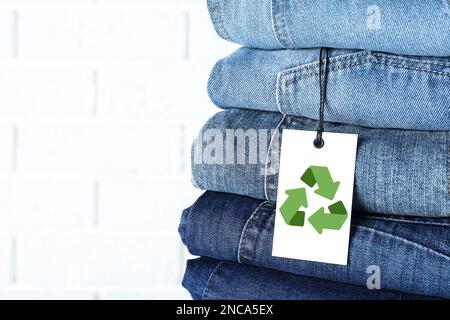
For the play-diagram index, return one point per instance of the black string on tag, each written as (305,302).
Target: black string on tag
(323,71)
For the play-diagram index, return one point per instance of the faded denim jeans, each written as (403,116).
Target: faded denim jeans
(371,89)
(414,27)
(412,254)
(398,172)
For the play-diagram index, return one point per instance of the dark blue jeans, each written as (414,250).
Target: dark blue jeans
(211,279)
(413,254)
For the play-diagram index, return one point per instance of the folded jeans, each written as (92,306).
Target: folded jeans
(371,89)
(412,254)
(414,27)
(211,279)
(398,172)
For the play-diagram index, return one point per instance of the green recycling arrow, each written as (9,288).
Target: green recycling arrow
(333,220)
(327,188)
(289,209)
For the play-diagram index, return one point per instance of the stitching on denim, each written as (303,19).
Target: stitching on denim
(274,23)
(367,55)
(390,56)
(244,234)
(351,56)
(431,64)
(265,216)
(217,18)
(299,77)
(282,32)
(314,65)
(380,62)
(407,241)
(208,283)
(278,93)
(269,150)
(421,222)
(447,137)
(282,14)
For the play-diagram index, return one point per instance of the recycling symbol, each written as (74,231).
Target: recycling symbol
(297,199)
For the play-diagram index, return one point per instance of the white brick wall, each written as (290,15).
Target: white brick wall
(35,90)
(103,33)
(46,203)
(6,257)
(7,152)
(146,91)
(99,103)
(7,34)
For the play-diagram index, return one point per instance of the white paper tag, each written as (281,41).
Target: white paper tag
(314,202)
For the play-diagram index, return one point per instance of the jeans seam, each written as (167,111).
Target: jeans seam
(447,136)
(439,224)
(279,21)
(407,241)
(367,54)
(209,281)
(269,150)
(332,60)
(278,93)
(351,65)
(244,234)
(404,58)
(274,24)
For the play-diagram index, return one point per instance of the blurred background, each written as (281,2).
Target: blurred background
(100,101)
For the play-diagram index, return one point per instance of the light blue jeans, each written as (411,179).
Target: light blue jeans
(371,89)
(211,279)
(411,254)
(398,172)
(414,27)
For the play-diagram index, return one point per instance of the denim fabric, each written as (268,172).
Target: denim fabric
(397,172)
(415,27)
(413,254)
(211,279)
(364,88)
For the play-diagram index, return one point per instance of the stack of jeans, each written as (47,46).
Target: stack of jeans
(389,83)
